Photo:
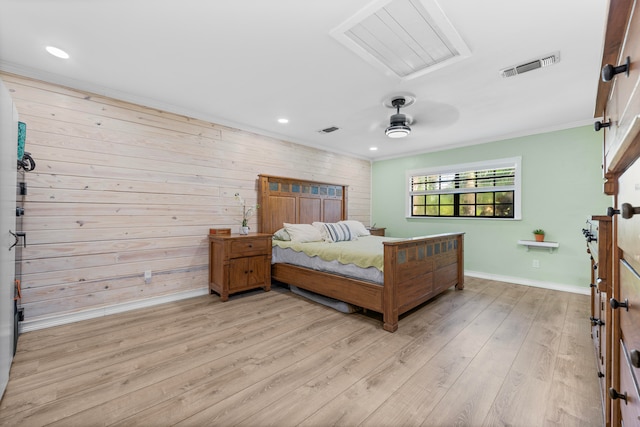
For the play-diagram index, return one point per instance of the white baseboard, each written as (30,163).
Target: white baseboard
(47,322)
(527,282)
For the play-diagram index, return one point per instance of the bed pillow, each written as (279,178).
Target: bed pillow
(281,235)
(321,229)
(356,227)
(338,232)
(302,233)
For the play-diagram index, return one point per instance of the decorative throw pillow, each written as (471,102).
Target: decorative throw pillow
(356,227)
(302,233)
(338,232)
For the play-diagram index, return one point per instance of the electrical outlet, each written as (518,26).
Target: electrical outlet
(536,263)
(147,276)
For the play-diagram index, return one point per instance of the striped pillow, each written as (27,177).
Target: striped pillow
(337,232)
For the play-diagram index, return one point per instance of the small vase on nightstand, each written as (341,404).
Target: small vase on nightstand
(244,230)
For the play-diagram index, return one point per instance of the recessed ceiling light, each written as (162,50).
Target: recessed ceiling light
(373,148)
(59,53)
(283,120)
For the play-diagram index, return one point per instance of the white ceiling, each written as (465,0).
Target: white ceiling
(246,63)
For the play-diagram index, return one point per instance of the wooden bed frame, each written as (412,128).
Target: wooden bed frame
(415,269)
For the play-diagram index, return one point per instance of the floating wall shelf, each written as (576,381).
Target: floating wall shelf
(533,244)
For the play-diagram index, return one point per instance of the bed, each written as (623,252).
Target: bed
(414,269)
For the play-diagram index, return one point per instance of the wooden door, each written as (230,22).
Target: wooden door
(257,271)
(246,273)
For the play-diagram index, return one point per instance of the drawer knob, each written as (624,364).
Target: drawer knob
(629,211)
(613,394)
(635,358)
(615,304)
(609,71)
(611,211)
(596,322)
(599,125)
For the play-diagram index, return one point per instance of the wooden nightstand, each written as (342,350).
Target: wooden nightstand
(238,263)
(377,231)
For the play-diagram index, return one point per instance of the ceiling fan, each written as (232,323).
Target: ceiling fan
(398,123)
(430,115)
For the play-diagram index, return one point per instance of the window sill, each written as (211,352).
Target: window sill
(533,244)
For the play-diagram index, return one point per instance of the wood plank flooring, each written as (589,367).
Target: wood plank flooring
(494,354)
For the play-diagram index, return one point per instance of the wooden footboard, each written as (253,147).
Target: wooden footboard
(418,269)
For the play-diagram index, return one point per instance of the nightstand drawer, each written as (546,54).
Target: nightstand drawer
(248,247)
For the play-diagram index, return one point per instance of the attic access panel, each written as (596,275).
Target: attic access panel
(405,38)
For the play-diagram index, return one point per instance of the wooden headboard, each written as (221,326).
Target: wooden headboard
(298,201)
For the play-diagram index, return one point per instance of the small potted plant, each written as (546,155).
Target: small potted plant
(246,213)
(539,234)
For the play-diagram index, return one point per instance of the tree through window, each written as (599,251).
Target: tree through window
(479,190)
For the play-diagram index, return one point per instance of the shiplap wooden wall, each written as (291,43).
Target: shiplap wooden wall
(120,189)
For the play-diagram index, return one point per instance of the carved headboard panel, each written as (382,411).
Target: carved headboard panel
(298,201)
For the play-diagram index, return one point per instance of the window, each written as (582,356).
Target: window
(489,189)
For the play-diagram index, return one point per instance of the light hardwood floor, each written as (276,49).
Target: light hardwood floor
(492,354)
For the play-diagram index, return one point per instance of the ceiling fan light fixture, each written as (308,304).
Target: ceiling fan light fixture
(399,126)
(399,131)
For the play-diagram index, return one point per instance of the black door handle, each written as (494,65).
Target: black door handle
(17,236)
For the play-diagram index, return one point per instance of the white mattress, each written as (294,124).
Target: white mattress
(290,256)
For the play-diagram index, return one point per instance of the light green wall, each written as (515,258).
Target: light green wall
(561,188)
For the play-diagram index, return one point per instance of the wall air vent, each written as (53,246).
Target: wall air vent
(531,65)
(403,38)
(328,130)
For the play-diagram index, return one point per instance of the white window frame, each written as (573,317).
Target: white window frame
(465,167)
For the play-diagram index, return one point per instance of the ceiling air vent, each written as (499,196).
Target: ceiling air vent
(531,65)
(329,130)
(403,38)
